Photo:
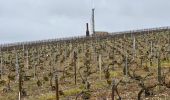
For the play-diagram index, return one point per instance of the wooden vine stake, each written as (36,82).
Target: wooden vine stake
(78,62)
(1,64)
(20,84)
(34,68)
(151,53)
(18,76)
(34,71)
(100,66)
(134,47)
(35,65)
(113,91)
(126,66)
(23,48)
(159,69)
(56,85)
(75,68)
(27,61)
(17,66)
(141,61)
(125,71)
(151,48)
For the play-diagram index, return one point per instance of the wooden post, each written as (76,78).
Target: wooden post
(151,48)
(78,63)
(100,66)
(34,66)
(1,65)
(150,61)
(56,85)
(17,66)
(18,72)
(38,57)
(20,85)
(126,66)
(159,68)
(27,61)
(34,71)
(75,68)
(1,68)
(113,90)
(134,47)
(23,47)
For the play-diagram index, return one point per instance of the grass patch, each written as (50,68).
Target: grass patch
(114,73)
(47,96)
(100,85)
(72,92)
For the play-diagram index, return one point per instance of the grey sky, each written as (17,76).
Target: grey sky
(26,20)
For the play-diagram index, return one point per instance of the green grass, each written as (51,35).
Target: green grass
(72,92)
(47,96)
(114,73)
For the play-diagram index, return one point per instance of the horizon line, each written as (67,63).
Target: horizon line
(4,45)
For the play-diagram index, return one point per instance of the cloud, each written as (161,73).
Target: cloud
(26,20)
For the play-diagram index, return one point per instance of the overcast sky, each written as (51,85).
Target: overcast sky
(27,20)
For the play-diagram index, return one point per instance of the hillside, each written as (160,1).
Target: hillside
(136,62)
